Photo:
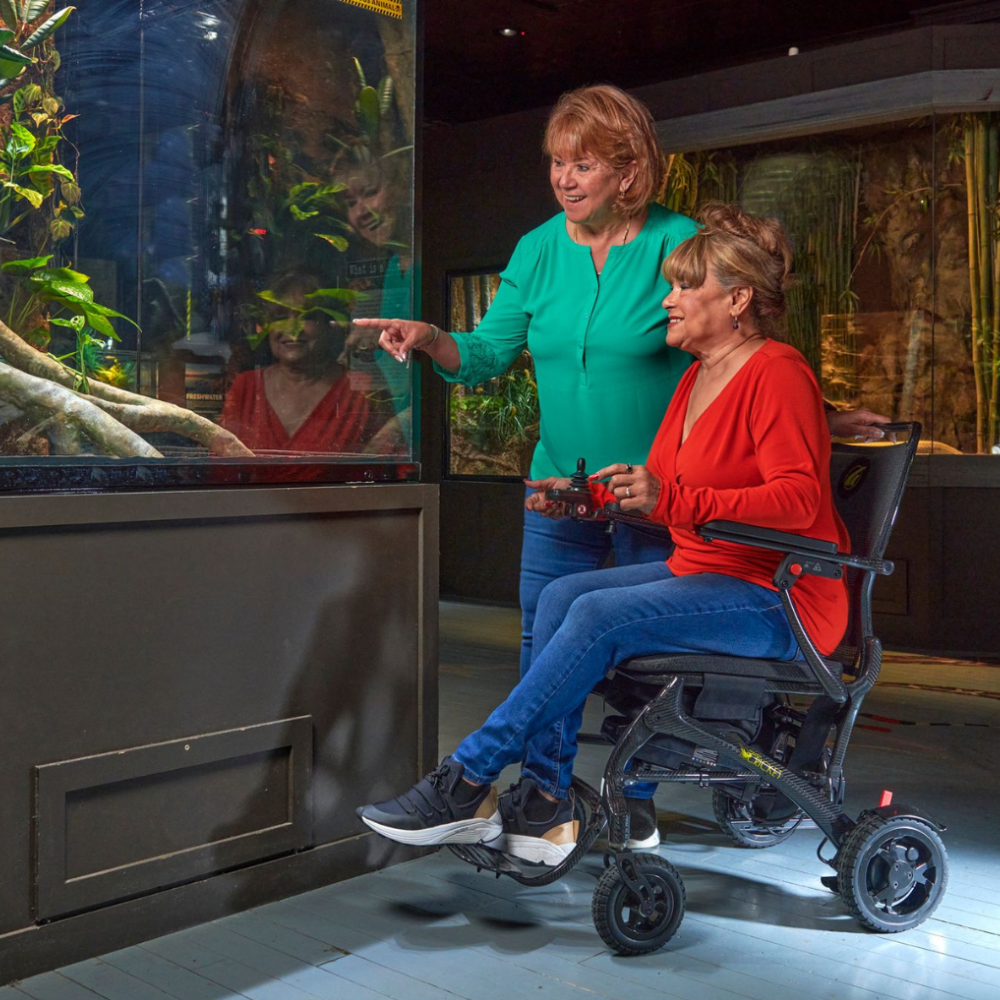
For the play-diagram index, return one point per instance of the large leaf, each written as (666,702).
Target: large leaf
(360,72)
(269,296)
(297,213)
(9,70)
(9,13)
(385,95)
(337,242)
(100,310)
(33,9)
(5,35)
(62,274)
(20,141)
(45,30)
(76,323)
(24,266)
(67,292)
(101,324)
(29,194)
(9,55)
(347,295)
(368,111)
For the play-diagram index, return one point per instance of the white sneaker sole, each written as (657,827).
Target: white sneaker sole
(463,831)
(534,850)
(653,840)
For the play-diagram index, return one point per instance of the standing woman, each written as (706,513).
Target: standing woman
(583,293)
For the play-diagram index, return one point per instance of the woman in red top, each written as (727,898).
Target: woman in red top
(306,402)
(744,439)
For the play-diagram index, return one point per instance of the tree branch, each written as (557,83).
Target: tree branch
(157,415)
(42,399)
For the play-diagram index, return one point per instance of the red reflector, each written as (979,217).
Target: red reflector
(885,800)
(796,569)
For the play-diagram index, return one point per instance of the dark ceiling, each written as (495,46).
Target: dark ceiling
(472,72)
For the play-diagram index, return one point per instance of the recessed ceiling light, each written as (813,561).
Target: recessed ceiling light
(509,32)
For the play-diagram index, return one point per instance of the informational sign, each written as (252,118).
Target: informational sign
(390,8)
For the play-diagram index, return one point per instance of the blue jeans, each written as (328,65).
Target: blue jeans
(553,549)
(588,623)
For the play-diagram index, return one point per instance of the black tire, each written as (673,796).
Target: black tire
(737,821)
(892,872)
(616,907)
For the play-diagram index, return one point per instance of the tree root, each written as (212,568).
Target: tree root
(131,411)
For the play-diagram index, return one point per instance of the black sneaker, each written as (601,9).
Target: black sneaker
(642,827)
(438,809)
(536,829)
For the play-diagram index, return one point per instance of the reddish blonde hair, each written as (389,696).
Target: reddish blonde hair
(604,122)
(739,249)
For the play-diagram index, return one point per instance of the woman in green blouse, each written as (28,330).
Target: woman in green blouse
(584,293)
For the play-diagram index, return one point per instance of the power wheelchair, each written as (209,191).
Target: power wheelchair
(727,723)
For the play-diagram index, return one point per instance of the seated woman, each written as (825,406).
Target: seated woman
(744,439)
(305,402)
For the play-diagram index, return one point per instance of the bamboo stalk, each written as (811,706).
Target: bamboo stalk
(969,139)
(993,181)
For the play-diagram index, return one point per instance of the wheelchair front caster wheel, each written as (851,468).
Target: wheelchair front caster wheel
(892,872)
(620,916)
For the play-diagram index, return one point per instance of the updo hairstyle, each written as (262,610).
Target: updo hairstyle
(740,249)
(604,122)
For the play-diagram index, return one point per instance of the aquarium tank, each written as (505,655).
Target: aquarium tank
(198,202)
(896,296)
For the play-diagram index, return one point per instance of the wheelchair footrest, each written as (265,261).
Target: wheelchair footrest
(485,858)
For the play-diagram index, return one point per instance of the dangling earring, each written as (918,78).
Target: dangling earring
(736,322)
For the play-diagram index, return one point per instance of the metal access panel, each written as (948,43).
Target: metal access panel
(137,820)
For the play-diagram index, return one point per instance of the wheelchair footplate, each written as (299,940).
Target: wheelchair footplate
(588,812)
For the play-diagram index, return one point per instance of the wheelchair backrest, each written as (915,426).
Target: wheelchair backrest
(868,482)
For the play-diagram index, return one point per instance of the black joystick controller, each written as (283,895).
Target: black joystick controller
(577,497)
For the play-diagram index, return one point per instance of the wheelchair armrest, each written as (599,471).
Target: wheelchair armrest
(765,538)
(792,545)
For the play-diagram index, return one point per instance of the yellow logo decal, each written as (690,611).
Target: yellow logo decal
(853,477)
(391,8)
(754,759)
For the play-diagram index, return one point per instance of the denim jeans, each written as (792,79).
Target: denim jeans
(551,549)
(588,623)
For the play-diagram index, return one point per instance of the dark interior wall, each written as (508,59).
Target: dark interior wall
(486,184)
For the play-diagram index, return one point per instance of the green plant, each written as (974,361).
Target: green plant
(981,150)
(31,178)
(62,297)
(500,416)
(25,28)
(318,303)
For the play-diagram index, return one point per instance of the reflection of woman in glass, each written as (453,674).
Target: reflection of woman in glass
(304,401)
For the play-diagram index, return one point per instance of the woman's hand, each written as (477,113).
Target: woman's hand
(399,337)
(539,503)
(635,488)
(859,424)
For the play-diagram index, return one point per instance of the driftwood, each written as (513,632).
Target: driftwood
(110,417)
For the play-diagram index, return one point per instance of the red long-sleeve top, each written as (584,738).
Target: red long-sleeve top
(760,454)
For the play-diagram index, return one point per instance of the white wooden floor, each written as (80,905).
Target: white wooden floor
(758,923)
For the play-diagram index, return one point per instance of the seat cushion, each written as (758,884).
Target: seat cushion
(646,668)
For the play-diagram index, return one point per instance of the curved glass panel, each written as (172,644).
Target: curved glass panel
(213,193)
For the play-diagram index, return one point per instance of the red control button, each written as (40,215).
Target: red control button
(796,569)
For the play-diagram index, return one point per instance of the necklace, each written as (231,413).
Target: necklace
(628,229)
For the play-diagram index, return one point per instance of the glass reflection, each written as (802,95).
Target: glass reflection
(222,187)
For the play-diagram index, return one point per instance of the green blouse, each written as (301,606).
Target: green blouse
(605,374)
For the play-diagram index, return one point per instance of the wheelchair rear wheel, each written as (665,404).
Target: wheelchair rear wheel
(737,821)
(617,909)
(892,872)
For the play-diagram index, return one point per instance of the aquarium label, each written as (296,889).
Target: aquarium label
(391,8)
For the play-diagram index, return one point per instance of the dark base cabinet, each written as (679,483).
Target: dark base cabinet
(198,688)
